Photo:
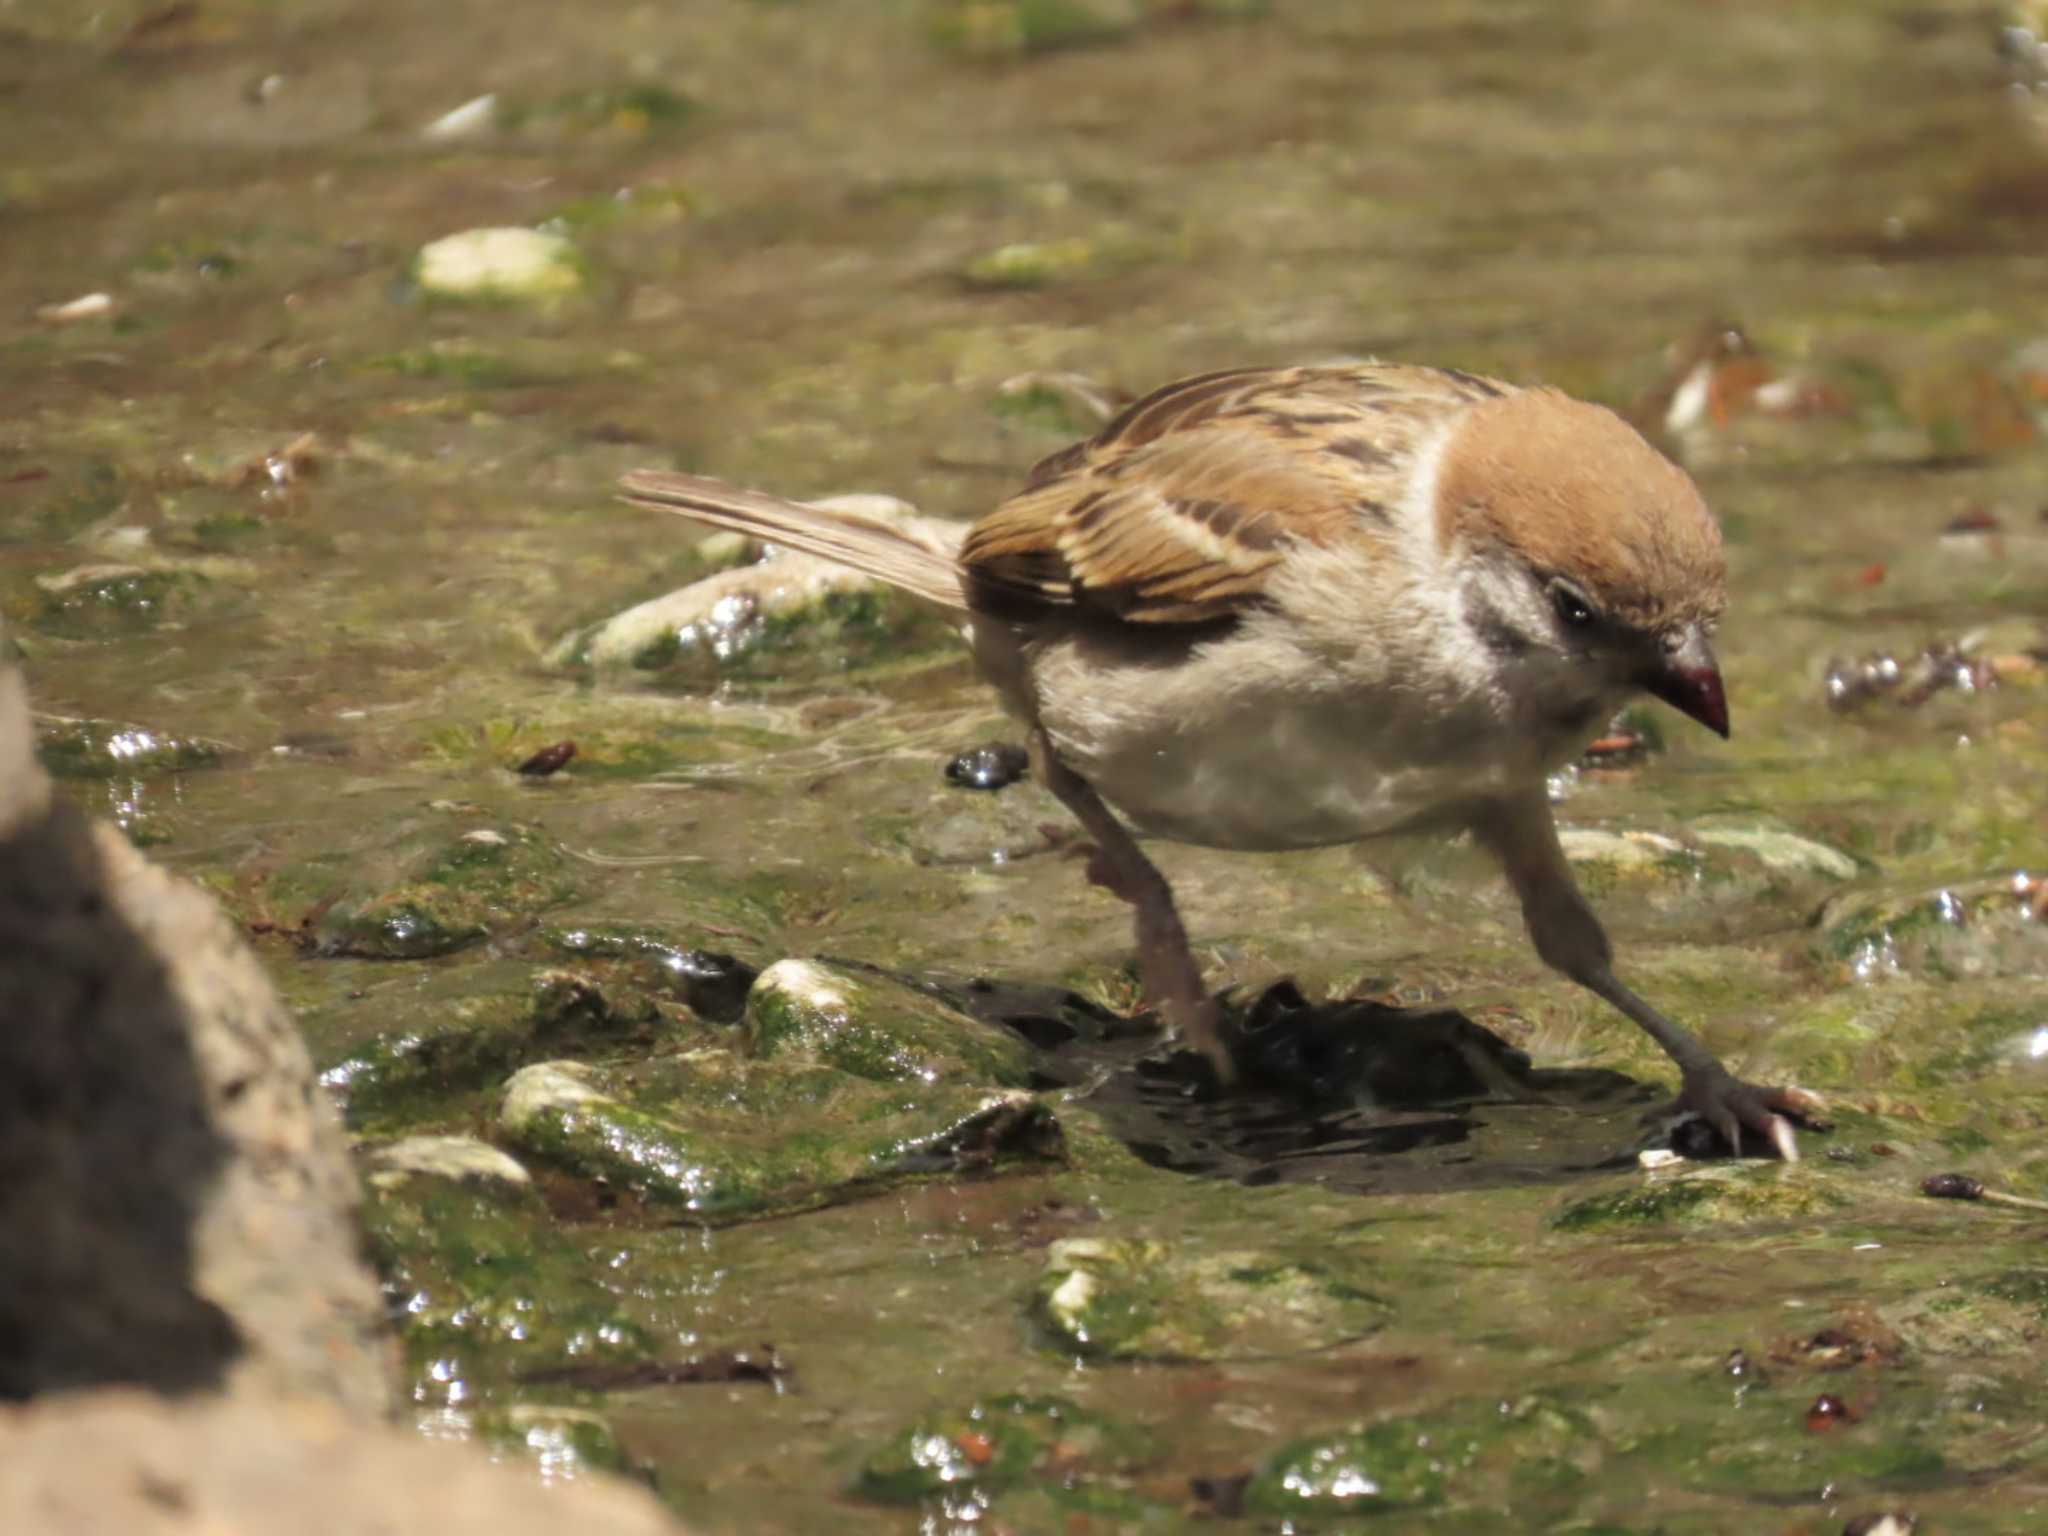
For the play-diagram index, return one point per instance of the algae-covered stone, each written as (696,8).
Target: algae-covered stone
(996,1445)
(451,895)
(712,983)
(96,601)
(419,1073)
(1394,1465)
(731,1149)
(876,1027)
(1707,1195)
(1972,929)
(1135,1299)
(510,264)
(484,1287)
(97,749)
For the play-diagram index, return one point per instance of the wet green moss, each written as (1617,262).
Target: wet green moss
(1135,1299)
(876,1027)
(726,1146)
(122,602)
(455,891)
(999,1445)
(1704,1196)
(97,749)
(484,1289)
(412,1077)
(1395,1465)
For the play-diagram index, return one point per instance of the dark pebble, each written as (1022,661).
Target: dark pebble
(994,766)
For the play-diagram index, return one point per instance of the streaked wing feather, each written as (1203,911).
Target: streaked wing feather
(1179,509)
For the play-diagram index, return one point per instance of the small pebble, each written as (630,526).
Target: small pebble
(995,766)
(712,983)
(87,306)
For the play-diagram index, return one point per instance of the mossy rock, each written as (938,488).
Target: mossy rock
(418,1075)
(876,1027)
(100,602)
(1700,1195)
(1137,1299)
(101,749)
(722,1155)
(994,1446)
(484,1287)
(1399,1464)
(450,895)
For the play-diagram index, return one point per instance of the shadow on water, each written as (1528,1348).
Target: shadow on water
(1348,1094)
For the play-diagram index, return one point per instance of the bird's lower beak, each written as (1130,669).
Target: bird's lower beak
(1689,680)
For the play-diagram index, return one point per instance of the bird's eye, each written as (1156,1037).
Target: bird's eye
(1572,609)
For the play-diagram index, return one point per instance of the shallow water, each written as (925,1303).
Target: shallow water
(786,216)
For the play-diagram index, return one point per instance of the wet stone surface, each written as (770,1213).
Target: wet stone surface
(305,561)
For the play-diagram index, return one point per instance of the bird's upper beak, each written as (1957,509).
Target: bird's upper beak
(1688,679)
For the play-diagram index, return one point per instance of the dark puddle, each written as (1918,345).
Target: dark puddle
(1350,1095)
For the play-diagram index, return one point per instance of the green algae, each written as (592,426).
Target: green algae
(413,1077)
(1706,1197)
(1389,1466)
(767,1144)
(875,1027)
(1004,1443)
(1134,1299)
(123,600)
(449,895)
(98,749)
(487,1288)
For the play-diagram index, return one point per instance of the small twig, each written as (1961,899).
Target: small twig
(1960,1186)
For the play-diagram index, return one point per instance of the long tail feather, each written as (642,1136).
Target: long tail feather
(918,555)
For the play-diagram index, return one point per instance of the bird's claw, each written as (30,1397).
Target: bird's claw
(1731,1106)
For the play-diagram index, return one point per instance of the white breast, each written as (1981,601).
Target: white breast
(1235,748)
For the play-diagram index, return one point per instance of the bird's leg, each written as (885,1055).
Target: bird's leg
(1569,938)
(1166,966)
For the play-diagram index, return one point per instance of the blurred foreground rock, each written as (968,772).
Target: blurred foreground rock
(178,1213)
(96,1462)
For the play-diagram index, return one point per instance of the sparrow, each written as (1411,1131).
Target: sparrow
(1274,608)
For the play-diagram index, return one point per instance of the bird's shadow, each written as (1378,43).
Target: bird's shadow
(1347,1094)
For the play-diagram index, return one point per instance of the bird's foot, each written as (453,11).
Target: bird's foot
(1200,1026)
(1730,1106)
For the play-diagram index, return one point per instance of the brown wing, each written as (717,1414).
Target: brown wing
(1176,511)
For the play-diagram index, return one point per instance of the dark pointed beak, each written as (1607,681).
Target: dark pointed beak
(1687,678)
